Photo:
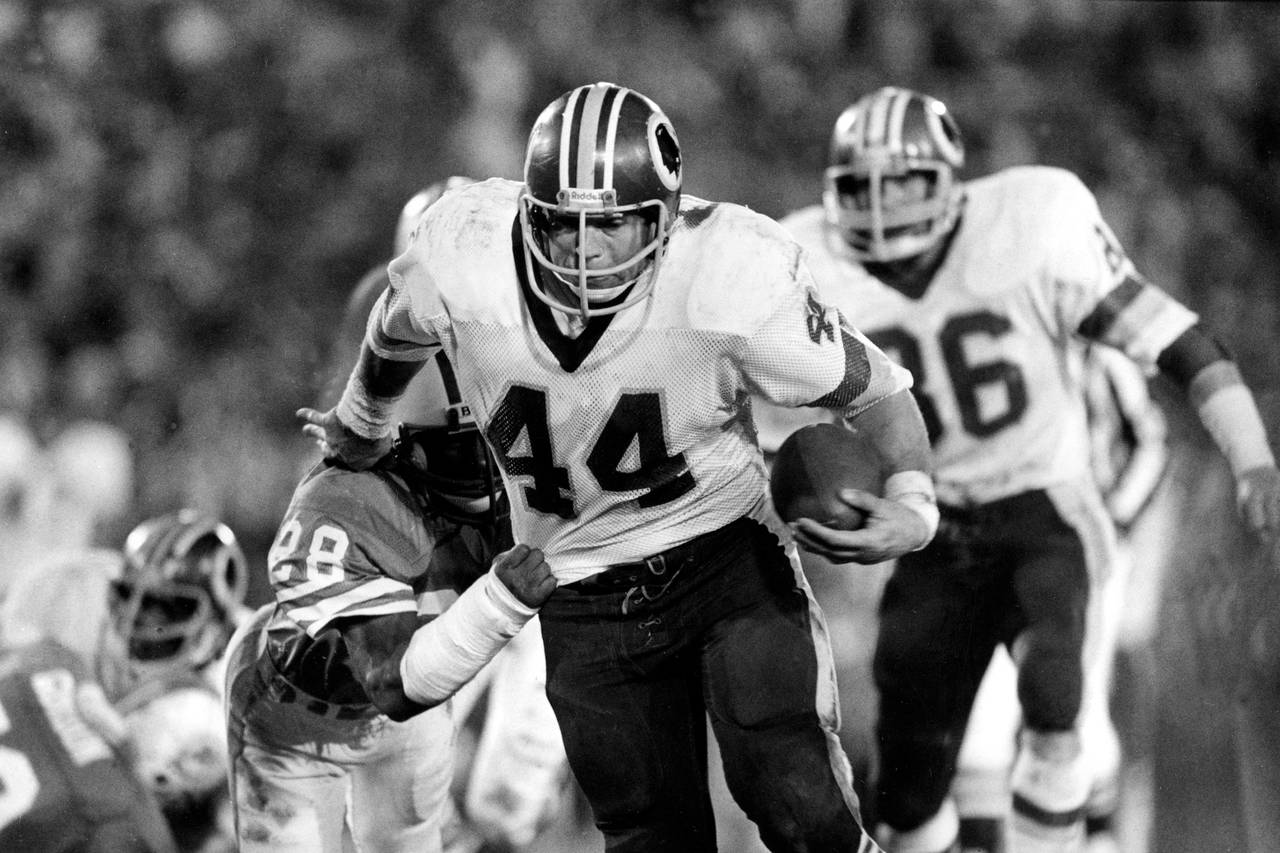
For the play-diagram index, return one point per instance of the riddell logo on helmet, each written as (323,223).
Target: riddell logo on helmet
(603,198)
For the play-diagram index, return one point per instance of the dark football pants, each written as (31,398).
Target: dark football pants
(1006,569)
(638,656)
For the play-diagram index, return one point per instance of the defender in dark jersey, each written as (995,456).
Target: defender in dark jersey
(383,609)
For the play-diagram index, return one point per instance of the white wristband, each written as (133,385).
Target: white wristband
(1231,417)
(363,413)
(449,650)
(914,490)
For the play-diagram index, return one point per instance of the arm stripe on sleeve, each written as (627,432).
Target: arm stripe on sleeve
(1108,311)
(857,375)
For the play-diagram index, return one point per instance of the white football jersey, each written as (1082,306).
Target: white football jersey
(635,436)
(996,340)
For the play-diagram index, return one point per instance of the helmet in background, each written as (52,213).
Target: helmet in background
(418,204)
(893,133)
(180,593)
(441,450)
(596,151)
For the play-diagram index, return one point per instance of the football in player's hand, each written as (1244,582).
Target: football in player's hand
(813,465)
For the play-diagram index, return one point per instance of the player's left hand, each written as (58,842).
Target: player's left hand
(891,530)
(1258,492)
(337,440)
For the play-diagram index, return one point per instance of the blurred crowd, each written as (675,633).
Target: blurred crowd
(189,189)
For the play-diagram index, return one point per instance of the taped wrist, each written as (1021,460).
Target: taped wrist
(363,413)
(914,489)
(448,651)
(1230,415)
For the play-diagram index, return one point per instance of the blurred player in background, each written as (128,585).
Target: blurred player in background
(608,333)
(119,650)
(177,602)
(989,292)
(511,775)
(1127,433)
(67,777)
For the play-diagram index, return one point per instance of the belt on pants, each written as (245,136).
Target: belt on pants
(659,568)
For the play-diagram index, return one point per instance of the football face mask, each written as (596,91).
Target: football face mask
(596,153)
(889,186)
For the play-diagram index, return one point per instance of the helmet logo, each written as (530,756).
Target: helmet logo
(576,196)
(665,151)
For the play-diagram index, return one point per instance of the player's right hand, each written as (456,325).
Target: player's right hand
(891,530)
(338,442)
(525,572)
(1258,494)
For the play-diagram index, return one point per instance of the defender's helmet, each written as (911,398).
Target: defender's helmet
(892,133)
(597,151)
(418,204)
(442,451)
(180,593)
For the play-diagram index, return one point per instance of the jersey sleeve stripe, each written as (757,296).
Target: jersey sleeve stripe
(1148,322)
(288,589)
(1108,311)
(313,612)
(313,620)
(857,375)
(347,591)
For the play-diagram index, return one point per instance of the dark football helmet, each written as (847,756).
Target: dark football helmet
(441,450)
(180,593)
(599,151)
(893,133)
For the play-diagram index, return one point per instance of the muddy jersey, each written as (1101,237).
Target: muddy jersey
(636,435)
(996,340)
(358,544)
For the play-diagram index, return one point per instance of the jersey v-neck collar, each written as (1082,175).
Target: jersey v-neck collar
(569,352)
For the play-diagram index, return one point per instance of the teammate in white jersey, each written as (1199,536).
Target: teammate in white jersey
(608,334)
(1128,457)
(988,291)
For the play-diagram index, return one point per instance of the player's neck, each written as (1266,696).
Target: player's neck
(912,276)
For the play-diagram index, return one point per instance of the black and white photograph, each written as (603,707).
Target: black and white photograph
(558,426)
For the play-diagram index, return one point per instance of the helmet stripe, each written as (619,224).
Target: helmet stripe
(584,154)
(877,119)
(567,137)
(589,136)
(897,115)
(614,104)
